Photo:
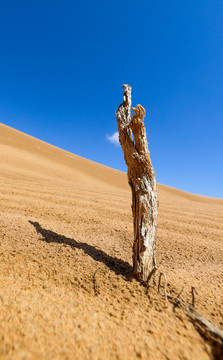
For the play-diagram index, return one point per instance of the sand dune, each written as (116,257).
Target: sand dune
(66,290)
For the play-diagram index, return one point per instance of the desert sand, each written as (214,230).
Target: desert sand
(66,235)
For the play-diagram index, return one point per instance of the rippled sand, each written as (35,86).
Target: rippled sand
(66,290)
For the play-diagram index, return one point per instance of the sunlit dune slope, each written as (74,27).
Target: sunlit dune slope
(29,155)
(66,290)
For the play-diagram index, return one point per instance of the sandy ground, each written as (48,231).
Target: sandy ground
(66,290)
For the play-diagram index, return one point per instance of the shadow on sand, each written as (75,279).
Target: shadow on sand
(119,266)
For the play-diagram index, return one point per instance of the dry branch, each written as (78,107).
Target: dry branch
(159,285)
(151,275)
(193,291)
(212,331)
(95,284)
(141,178)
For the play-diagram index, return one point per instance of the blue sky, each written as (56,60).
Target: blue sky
(63,63)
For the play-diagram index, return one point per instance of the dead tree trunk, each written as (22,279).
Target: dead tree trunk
(141,178)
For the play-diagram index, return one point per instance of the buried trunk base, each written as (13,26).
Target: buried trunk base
(144,267)
(144,211)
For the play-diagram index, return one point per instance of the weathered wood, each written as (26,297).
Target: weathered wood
(141,178)
(198,320)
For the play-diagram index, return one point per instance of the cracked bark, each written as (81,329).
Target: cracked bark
(141,178)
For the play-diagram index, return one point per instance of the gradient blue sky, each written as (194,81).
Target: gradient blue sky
(63,63)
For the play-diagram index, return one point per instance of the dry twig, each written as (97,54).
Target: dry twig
(159,285)
(212,332)
(177,299)
(193,291)
(95,285)
(151,275)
